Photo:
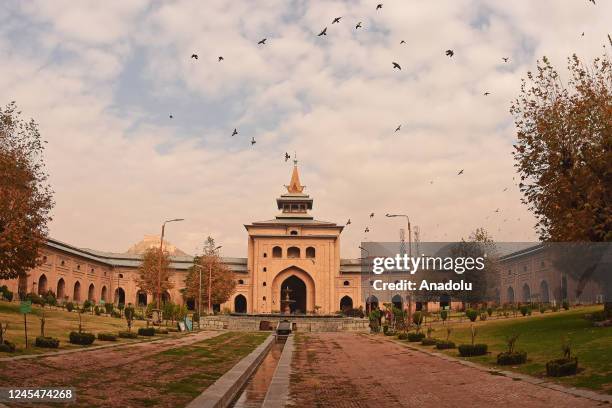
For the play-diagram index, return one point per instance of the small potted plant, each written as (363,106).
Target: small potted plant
(512,356)
(567,365)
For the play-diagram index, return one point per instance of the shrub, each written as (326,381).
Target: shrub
(555,308)
(444,344)
(116,314)
(7,347)
(598,316)
(428,341)
(87,305)
(402,336)
(97,310)
(417,319)
(82,338)
(70,306)
(471,314)
(354,312)
(35,298)
(129,313)
(468,350)
(109,307)
(107,337)
(5,293)
(490,311)
(128,335)
(566,305)
(483,316)
(413,337)
(524,310)
(46,342)
(562,367)
(146,331)
(542,308)
(444,315)
(516,357)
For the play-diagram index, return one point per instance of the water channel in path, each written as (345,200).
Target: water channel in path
(254,391)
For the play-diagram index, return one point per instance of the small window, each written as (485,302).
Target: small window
(240,282)
(45,258)
(120,276)
(294,232)
(277,252)
(63,262)
(265,255)
(293,252)
(264,283)
(310,252)
(92,270)
(346,283)
(79,267)
(264,298)
(265,269)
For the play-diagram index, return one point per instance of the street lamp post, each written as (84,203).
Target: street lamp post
(409,255)
(161,247)
(369,299)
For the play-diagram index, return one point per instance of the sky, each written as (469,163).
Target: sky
(102,79)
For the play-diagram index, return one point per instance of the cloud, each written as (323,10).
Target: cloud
(102,79)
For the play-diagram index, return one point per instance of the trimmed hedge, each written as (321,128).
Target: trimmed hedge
(83,339)
(46,342)
(471,314)
(469,350)
(427,341)
(402,336)
(562,367)
(507,358)
(128,335)
(107,336)
(413,337)
(7,347)
(443,345)
(146,331)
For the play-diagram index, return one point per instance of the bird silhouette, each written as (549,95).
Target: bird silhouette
(336,20)
(371,215)
(221,58)
(324,32)
(506,59)
(487,93)
(582,34)
(398,128)
(497,210)
(460,172)
(367,229)
(592,1)
(450,53)
(431,182)
(396,65)
(287,156)
(379,6)
(505,189)
(253,141)
(358,25)
(348,222)
(194,56)
(171,117)
(262,41)
(402,42)
(235,132)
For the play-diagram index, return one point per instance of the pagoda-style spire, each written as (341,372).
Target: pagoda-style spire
(294,185)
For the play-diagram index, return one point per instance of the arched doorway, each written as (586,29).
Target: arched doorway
(526,293)
(42,284)
(141,298)
(165,297)
(103,294)
(119,296)
(544,295)
(240,304)
(510,294)
(371,303)
(397,302)
(346,303)
(76,293)
(190,303)
(91,293)
(296,289)
(61,289)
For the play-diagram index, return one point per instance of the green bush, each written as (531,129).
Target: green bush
(468,350)
(402,336)
(87,305)
(471,314)
(116,314)
(483,316)
(489,311)
(444,344)
(70,306)
(7,347)
(5,293)
(128,335)
(83,338)
(566,305)
(444,315)
(109,307)
(562,367)
(428,341)
(35,298)
(146,331)
(511,358)
(524,310)
(107,337)
(414,337)
(46,342)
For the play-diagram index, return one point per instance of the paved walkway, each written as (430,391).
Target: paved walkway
(351,370)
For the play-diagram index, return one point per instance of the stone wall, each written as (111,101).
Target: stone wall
(299,324)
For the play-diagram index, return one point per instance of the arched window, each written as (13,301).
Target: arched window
(61,285)
(510,294)
(240,282)
(293,232)
(141,298)
(277,252)
(544,295)
(265,269)
(347,283)
(76,294)
(346,303)
(264,284)
(240,304)
(42,284)
(91,293)
(293,252)
(310,252)
(103,294)
(526,293)
(397,301)
(265,255)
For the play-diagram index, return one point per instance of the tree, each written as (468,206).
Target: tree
(150,275)
(564,155)
(26,196)
(211,267)
(129,316)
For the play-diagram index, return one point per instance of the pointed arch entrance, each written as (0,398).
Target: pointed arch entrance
(301,291)
(240,304)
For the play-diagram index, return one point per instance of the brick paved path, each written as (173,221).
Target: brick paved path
(355,370)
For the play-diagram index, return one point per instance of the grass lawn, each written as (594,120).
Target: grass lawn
(541,336)
(58,323)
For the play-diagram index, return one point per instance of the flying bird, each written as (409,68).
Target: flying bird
(505,59)
(171,117)
(253,141)
(235,132)
(348,222)
(398,128)
(324,32)
(497,210)
(582,34)
(221,58)
(367,229)
(592,1)
(371,215)
(379,6)
(287,156)
(262,41)
(194,56)
(431,182)
(336,20)
(358,25)
(396,65)
(487,93)
(505,189)
(450,53)
(460,172)
(402,42)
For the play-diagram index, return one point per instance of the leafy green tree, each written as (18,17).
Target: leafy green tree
(129,313)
